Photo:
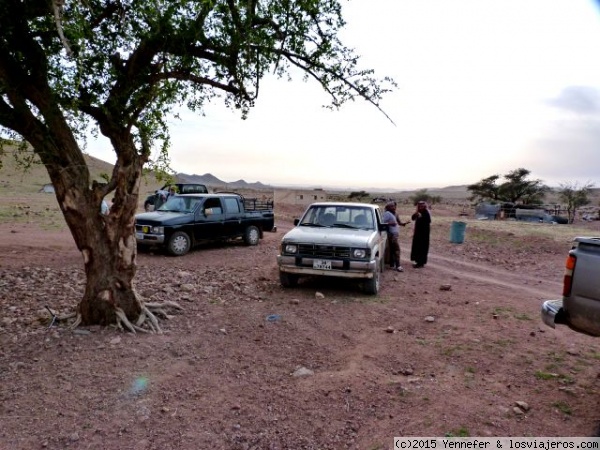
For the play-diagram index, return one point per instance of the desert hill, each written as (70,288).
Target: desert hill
(214,182)
(15,179)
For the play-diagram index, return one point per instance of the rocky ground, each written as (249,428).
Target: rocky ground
(457,348)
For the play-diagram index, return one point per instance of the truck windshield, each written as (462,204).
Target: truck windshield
(180,204)
(339,216)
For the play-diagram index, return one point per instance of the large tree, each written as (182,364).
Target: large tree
(423,194)
(574,196)
(121,66)
(516,188)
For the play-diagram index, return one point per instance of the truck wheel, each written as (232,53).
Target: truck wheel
(371,286)
(288,279)
(252,235)
(179,244)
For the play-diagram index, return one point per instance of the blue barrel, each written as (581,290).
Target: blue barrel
(457,232)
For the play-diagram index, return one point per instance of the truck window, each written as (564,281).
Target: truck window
(212,206)
(232,205)
(191,204)
(194,189)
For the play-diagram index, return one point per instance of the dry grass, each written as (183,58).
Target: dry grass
(559,233)
(21,201)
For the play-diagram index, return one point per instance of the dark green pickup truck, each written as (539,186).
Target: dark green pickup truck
(190,219)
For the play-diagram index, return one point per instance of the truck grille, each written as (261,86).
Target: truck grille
(323,251)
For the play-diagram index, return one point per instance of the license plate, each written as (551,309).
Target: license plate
(139,236)
(322,264)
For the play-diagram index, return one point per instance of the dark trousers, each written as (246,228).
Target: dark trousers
(394,250)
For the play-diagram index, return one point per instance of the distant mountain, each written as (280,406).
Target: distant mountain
(211,181)
(207,179)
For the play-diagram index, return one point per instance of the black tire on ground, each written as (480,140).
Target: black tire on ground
(252,235)
(371,285)
(179,244)
(288,279)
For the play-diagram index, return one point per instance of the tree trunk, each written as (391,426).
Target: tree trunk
(107,242)
(108,246)
(570,214)
(109,258)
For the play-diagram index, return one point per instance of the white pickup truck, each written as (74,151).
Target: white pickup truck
(335,240)
(579,307)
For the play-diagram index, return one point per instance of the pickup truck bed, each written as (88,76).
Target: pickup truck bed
(579,307)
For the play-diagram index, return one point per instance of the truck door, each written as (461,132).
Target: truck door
(382,234)
(209,220)
(234,215)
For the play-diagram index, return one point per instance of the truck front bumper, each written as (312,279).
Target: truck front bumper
(339,268)
(149,239)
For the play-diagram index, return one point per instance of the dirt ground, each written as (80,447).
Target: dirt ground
(455,349)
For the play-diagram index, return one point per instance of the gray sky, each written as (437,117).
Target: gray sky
(485,87)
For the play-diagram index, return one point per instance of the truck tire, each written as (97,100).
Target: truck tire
(179,244)
(288,280)
(371,285)
(252,235)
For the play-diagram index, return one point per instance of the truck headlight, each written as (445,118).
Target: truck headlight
(158,230)
(359,253)
(290,248)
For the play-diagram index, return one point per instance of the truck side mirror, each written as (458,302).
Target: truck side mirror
(296,222)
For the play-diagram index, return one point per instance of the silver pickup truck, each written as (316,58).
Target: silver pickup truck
(335,240)
(579,307)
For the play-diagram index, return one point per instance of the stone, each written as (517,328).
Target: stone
(523,405)
(302,372)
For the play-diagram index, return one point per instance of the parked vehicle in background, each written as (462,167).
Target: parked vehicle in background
(190,219)
(182,188)
(579,307)
(532,213)
(591,216)
(539,215)
(335,240)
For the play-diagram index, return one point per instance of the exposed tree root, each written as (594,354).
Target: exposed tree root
(167,303)
(77,322)
(148,317)
(67,316)
(57,318)
(122,320)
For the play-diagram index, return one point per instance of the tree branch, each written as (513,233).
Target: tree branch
(307,65)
